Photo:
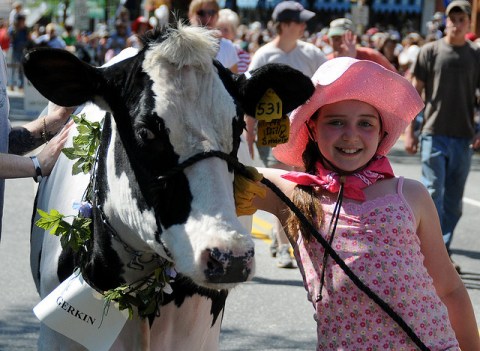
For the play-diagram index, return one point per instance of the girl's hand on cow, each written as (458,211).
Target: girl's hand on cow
(49,155)
(246,189)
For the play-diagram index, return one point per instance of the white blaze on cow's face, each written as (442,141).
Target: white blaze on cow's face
(191,99)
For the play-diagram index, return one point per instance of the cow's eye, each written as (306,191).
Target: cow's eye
(146,134)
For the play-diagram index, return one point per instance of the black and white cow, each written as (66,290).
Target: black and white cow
(167,103)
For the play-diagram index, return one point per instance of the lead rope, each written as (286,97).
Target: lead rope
(333,222)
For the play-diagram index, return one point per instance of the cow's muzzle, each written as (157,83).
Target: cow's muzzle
(224,267)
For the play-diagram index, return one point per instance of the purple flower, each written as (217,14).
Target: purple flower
(84,208)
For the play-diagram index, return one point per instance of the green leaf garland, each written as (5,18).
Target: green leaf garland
(145,294)
(85,145)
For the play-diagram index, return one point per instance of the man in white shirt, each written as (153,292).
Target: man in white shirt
(290,20)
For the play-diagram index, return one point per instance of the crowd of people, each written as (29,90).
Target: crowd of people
(396,47)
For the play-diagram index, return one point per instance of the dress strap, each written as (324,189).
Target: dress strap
(400,186)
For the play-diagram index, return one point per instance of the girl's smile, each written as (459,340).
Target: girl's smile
(348,133)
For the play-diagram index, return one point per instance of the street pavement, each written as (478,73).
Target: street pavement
(269,313)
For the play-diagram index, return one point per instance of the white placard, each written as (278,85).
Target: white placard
(77,311)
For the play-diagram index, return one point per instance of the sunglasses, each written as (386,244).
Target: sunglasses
(203,13)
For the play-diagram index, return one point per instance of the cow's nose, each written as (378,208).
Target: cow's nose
(224,267)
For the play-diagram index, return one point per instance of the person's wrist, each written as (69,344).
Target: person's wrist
(38,169)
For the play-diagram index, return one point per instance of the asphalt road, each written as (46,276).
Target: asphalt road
(269,313)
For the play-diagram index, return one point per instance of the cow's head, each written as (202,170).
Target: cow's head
(170,102)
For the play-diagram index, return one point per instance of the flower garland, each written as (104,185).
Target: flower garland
(145,294)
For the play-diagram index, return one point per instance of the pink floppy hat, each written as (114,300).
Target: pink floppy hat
(345,78)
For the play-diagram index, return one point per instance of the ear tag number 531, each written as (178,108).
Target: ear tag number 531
(273,126)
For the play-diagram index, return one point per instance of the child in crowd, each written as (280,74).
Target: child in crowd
(384,228)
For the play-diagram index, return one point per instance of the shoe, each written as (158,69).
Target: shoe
(274,245)
(284,260)
(273,250)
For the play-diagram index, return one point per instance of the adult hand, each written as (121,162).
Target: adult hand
(49,155)
(476,142)
(349,45)
(57,116)
(411,143)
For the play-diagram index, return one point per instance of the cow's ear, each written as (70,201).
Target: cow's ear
(292,86)
(61,77)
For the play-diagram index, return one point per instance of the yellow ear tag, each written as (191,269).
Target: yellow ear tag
(273,126)
(274,132)
(269,107)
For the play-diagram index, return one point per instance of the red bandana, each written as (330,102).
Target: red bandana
(378,168)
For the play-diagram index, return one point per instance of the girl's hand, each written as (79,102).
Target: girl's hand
(246,189)
(49,155)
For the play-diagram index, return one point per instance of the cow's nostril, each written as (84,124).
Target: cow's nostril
(224,267)
(215,265)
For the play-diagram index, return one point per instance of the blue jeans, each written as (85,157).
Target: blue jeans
(445,166)
(17,69)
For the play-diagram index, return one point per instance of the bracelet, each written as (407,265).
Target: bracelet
(44,131)
(38,169)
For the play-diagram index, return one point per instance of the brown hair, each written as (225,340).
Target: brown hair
(306,198)
(278,26)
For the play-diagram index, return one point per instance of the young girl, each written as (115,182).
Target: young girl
(385,228)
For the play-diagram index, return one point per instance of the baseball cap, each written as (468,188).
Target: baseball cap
(340,26)
(288,11)
(461,5)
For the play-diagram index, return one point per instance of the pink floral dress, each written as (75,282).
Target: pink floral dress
(377,240)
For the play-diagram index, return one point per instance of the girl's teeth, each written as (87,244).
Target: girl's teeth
(349,151)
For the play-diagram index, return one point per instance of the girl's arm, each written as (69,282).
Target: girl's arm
(446,280)
(272,203)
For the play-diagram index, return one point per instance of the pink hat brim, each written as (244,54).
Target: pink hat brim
(345,78)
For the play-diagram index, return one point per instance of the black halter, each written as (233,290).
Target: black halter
(232,161)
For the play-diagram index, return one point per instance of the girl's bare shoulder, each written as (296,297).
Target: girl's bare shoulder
(417,197)
(414,189)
